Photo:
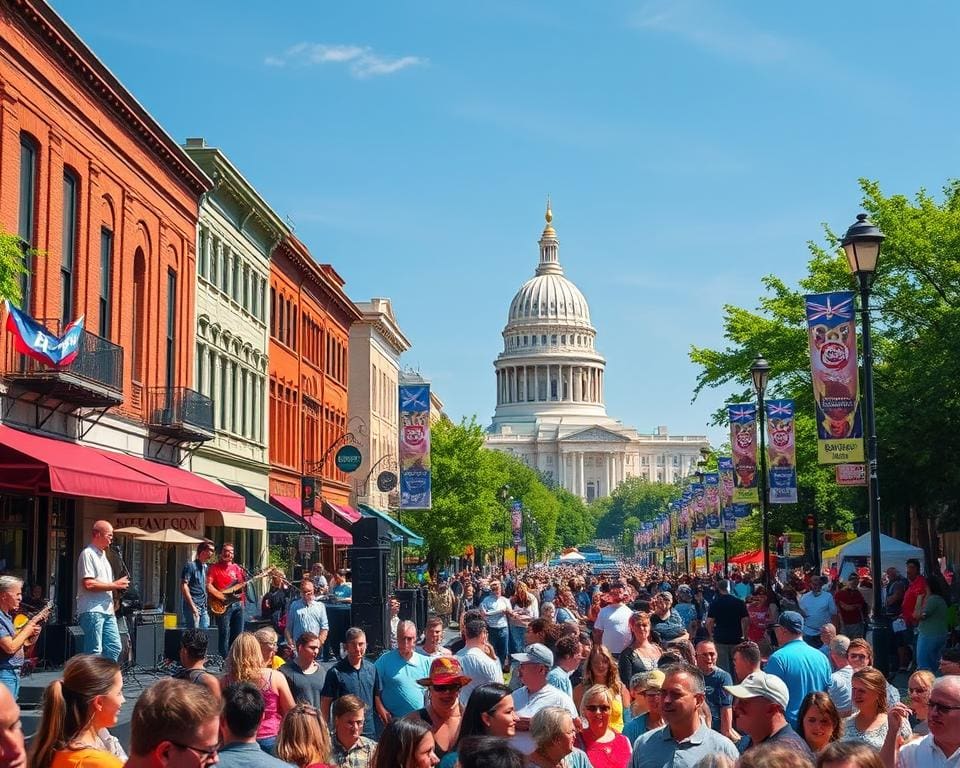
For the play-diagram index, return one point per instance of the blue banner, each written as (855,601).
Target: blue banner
(33,340)
(415,481)
(781,452)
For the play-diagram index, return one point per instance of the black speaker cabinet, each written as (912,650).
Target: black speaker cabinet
(148,645)
(171,642)
(56,644)
(410,607)
(374,620)
(370,532)
(368,566)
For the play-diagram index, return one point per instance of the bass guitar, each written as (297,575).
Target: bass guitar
(232,592)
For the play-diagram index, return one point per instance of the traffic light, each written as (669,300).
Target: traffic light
(811,522)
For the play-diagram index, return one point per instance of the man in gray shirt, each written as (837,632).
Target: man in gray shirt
(685,739)
(95,588)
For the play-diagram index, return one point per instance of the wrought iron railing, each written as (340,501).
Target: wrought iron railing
(179,408)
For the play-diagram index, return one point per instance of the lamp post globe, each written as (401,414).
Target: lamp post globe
(861,245)
(760,373)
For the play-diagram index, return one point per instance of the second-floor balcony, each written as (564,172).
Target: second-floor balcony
(180,413)
(94,379)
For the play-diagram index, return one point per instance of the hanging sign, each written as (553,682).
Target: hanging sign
(415,480)
(711,482)
(832,336)
(743,438)
(386,481)
(725,469)
(308,494)
(348,458)
(33,340)
(781,452)
(851,474)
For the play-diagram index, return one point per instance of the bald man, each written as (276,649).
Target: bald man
(940,746)
(95,588)
(13,753)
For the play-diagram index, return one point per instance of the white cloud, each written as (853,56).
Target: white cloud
(361,61)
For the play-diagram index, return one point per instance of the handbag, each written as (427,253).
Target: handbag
(899,625)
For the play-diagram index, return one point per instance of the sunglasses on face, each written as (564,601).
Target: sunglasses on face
(447,688)
(597,707)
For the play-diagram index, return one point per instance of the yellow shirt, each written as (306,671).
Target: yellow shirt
(85,758)
(616,713)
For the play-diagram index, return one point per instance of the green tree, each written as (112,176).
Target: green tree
(11,266)
(635,497)
(575,524)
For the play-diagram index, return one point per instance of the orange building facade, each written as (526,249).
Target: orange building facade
(309,326)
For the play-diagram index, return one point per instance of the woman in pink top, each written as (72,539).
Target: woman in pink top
(605,747)
(245,664)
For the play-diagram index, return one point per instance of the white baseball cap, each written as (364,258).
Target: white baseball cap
(761,684)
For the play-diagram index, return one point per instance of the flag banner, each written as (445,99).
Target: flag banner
(415,481)
(832,335)
(781,452)
(33,340)
(516,519)
(683,518)
(666,530)
(729,520)
(743,438)
(725,468)
(741,511)
(698,510)
(700,554)
(711,483)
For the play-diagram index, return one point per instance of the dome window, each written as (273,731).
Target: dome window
(533,340)
(543,339)
(563,339)
(524,341)
(553,339)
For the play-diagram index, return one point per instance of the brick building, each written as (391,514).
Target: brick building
(309,326)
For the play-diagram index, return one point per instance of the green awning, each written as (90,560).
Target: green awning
(409,536)
(278,521)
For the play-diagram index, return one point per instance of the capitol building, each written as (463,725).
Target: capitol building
(550,383)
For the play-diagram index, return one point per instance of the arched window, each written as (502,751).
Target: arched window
(26,220)
(138,368)
(68,255)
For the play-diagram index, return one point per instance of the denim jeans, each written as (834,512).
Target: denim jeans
(928,652)
(516,638)
(100,634)
(500,643)
(191,623)
(11,679)
(230,624)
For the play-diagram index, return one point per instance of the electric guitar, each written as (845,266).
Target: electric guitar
(233,592)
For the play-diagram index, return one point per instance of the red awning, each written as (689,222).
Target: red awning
(752,557)
(316,521)
(345,511)
(183,487)
(35,464)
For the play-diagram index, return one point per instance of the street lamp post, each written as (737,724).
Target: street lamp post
(760,373)
(504,495)
(862,247)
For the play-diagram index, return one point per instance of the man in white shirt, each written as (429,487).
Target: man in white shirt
(535,694)
(818,609)
(474,660)
(612,627)
(495,609)
(938,749)
(95,588)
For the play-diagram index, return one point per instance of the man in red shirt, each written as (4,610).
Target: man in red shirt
(852,608)
(221,575)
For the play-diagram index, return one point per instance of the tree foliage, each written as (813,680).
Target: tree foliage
(916,335)
(11,266)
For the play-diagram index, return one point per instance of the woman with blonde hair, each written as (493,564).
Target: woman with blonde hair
(600,669)
(269,640)
(918,689)
(245,664)
(77,711)
(303,739)
(605,747)
(868,723)
(523,609)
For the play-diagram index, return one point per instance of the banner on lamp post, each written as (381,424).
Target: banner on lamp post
(415,480)
(711,482)
(725,470)
(743,438)
(781,452)
(832,337)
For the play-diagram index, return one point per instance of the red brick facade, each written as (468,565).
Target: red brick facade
(136,194)
(310,318)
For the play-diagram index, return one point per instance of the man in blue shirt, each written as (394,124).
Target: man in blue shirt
(801,667)
(715,682)
(242,712)
(193,587)
(357,676)
(306,614)
(399,670)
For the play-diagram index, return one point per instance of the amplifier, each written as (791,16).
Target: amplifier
(148,617)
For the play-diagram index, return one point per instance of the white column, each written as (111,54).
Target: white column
(561,480)
(577,394)
(583,485)
(611,479)
(536,383)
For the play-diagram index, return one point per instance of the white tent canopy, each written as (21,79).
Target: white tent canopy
(856,553)
(572,557)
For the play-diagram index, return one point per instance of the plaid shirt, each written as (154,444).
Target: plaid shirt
(358,756)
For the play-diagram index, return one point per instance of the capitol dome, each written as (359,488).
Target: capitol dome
(549,363)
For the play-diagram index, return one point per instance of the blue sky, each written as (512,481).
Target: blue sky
(689,148)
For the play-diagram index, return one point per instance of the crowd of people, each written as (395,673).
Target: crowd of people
(552,667)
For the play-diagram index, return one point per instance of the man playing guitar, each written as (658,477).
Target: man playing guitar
(221,575)
(14,641)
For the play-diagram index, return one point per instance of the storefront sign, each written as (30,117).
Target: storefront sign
(308,494)
(306,544)
(348,458)
(832,336)
(185,522)
(386,481)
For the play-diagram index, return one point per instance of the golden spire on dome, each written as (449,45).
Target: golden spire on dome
(548,231)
